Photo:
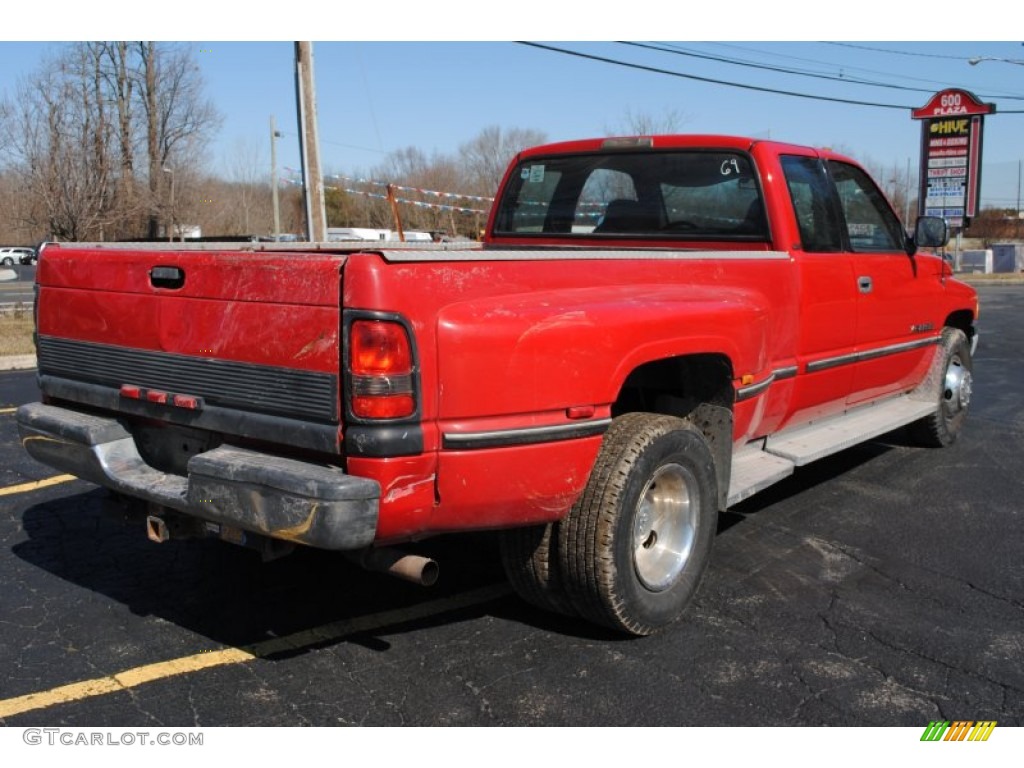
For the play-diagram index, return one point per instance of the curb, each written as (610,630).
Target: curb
(979,278)
(17,363)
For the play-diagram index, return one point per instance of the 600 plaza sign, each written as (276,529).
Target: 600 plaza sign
(951,134)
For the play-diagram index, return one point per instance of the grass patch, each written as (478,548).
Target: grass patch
(16,332)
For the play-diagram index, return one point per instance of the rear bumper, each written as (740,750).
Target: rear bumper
(277,497)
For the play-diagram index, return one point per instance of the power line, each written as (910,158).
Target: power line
(728,83)
(852,80)
(919,54)
(714,81)
(341,144)
(771,68)
(934,85)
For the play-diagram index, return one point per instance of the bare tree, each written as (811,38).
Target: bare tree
(246,200)
(423,207)
(178,119)
(485,158)
(55,135)
(75,131)
(646,124)
(120,87)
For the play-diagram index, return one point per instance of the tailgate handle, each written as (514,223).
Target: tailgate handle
(167,277)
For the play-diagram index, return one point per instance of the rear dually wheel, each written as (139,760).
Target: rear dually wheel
(633,549)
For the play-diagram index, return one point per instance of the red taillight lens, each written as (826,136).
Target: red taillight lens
(380,361)
(379,347)
(383,406)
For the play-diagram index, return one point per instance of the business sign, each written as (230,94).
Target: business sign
(951,133)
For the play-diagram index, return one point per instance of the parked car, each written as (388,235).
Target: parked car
(11,256)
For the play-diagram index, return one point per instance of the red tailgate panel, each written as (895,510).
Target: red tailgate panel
(271,309)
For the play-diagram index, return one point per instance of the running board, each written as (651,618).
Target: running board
(754,469)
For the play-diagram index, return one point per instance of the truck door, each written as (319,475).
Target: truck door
(895,325)
(828,292)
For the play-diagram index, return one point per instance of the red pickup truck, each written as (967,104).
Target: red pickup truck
(653,329)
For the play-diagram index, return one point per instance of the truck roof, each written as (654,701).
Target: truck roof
(665,141)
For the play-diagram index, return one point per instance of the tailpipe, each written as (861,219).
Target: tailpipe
(414,568)
(157,529)
(162,525)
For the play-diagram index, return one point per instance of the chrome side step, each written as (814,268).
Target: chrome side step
(818,440)
(753,470)
(761,464)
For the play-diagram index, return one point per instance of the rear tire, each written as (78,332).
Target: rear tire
(531,565)
(954,393)
(634,547)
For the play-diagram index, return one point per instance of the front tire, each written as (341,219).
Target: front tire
(634,547)
(954,396)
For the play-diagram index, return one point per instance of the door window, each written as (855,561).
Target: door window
(816,215)
(870,222)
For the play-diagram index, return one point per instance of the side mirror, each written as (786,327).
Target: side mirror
(931,232)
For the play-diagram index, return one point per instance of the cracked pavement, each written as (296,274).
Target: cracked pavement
(883,586)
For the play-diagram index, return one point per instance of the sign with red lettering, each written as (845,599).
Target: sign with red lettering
(951,134)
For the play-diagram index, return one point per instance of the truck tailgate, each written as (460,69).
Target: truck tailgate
(225,330)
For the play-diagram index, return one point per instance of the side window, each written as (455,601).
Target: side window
(809,189)
(870,222)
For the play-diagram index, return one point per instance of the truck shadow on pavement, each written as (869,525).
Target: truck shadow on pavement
(230,596)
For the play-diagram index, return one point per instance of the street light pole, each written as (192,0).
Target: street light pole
(906,215)
(274,136)
(1020,166)
(170,228)
(1016,224)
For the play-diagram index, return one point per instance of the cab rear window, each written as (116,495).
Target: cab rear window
(689,194)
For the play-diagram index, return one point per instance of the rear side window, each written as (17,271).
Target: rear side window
(813,204)
(673,194)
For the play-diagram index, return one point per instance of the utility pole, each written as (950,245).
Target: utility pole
(274,136)
(309,145)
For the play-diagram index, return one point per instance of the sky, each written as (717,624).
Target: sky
(437,84)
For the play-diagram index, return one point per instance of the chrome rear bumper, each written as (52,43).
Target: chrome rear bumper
(278,497)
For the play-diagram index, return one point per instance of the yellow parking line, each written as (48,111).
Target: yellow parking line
(8,410)
(298,641)
(35,485)
(121,681)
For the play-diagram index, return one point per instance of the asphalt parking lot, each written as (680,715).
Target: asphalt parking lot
(883,586)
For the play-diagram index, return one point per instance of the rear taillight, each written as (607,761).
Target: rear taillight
(380,364)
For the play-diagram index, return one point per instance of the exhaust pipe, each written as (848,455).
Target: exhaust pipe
(157,530)
(414,568)
(163,526)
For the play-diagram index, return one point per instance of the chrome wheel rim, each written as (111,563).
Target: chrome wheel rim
(665,526)
(956,393)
